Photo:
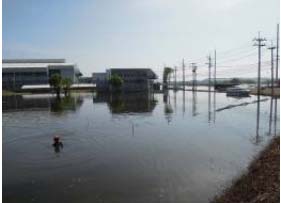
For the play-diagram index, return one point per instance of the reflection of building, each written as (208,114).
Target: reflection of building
(134,79)
(127,103)
(19,72)
(40,102)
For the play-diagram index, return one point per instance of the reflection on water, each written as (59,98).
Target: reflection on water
(258,138)
(194,103)
(214,107)
(127,103)
(41,102)
(168,109)
(172,147)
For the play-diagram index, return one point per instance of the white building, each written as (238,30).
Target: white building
(19,72)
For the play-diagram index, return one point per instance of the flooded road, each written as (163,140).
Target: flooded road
(176,147)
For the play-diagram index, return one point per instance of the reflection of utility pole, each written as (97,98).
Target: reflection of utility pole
(214,107)
(209,106)
(183,74)
(194,103)
(275,116)
(175,79)
(270,116)
(258,121)
(271,48)
(259,44)
(175,101)
(194,76)
(183,102)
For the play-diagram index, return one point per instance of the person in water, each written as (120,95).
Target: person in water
(57,144)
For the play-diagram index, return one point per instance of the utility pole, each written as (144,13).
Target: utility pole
(277,52)
(209,66)
(194,75)
(259,43)
(183,74)
(215,69)
(271,48)
(215,82)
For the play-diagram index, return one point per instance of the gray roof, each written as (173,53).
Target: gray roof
(34,65)
(149,71)
(33,61)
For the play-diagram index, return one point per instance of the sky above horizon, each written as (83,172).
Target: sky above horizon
(99,34)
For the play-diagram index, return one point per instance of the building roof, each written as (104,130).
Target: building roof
(150,72)
(33,61)
(34,65)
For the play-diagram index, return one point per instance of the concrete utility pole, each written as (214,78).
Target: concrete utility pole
(277,52)
(194,76)
(183,74)
(271,48)
(215,69)
(209,66)
(259,44)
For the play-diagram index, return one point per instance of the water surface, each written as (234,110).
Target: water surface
(176,147)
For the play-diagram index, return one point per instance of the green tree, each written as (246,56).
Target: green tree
(235,81)
(116,81)
(56,82)
(166,76)
(66,84)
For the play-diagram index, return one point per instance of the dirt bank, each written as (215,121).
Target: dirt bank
(261,184)
(266,91)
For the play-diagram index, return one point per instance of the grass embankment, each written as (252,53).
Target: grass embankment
(267,91)
(261,184)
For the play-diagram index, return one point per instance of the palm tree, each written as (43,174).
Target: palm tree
(55,82)
(166,76)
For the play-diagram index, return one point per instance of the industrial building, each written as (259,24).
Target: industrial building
(134,79)
(19,72)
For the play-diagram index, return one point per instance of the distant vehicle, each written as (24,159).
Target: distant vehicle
(237,92)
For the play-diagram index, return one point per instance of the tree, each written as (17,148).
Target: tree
(166,76)
(235,81)
(116,81)
(56,82)
(66,84)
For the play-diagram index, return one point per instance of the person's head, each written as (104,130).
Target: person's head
(56,139)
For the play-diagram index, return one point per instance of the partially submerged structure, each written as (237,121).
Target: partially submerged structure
(133,79)
(19,72)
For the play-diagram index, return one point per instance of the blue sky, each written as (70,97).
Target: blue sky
(98,34)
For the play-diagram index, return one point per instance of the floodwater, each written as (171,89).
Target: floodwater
(176,147)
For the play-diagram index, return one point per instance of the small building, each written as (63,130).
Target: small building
(101,81)
(134,79)
(19,72)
